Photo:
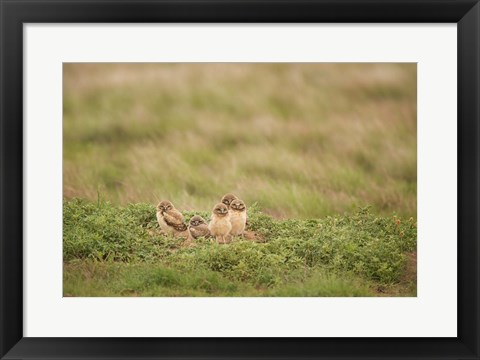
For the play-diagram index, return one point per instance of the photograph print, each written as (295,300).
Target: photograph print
(239,179)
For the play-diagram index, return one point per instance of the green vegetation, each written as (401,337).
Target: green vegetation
(112,250)
(304,140)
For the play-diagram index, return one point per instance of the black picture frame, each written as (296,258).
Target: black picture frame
(14,13)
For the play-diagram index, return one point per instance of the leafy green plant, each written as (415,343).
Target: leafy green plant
(277,254)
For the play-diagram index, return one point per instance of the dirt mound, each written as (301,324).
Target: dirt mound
(253,236)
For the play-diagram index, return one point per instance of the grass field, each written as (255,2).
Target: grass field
(310,146)
(118,251)
(302,140)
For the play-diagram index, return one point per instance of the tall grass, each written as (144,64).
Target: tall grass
(303,140)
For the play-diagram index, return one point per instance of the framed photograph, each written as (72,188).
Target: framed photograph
(268,179)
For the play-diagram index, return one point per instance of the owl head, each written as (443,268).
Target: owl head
(237,205)
(220,210)
(197,220)
(164,205)
(228,198)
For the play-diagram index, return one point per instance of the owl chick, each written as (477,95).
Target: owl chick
(171,220)
(238,217)
(220,225)
(198,227)
(227,199)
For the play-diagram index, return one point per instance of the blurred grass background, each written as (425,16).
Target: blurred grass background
(302,140)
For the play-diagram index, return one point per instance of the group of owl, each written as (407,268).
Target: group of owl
(228,219)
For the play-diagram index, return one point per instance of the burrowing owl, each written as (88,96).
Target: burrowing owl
(198,227)
(220,225)
(227,199)
(238,217)
(171,220)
